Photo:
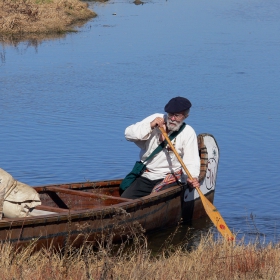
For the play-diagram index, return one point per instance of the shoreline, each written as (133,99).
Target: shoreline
(42,17)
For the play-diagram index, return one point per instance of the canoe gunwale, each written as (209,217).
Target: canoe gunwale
(83,185)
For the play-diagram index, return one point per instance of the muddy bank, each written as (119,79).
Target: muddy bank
(21,17)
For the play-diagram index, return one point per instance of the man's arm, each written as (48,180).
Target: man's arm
(142,130)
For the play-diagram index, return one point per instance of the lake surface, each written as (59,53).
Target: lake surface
(66,102)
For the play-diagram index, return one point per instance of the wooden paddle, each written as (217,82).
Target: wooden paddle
(210,209)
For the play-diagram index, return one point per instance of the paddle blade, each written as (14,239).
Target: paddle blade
(215,217)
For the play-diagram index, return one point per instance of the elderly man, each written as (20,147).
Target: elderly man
(164,170)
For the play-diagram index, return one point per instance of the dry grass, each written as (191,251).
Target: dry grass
(41,16)
(210,260)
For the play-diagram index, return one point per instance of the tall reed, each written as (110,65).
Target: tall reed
(131,259)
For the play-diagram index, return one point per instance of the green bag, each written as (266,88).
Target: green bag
(140,167)
(137,171)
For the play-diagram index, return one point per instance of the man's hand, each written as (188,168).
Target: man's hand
(193,183)
(158,121)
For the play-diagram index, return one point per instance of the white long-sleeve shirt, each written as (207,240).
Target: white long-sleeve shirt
(164,162)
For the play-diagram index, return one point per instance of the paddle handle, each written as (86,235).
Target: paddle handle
(175,152)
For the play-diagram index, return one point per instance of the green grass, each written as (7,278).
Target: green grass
(43,2)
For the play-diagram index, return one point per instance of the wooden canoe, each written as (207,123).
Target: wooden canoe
(74,212)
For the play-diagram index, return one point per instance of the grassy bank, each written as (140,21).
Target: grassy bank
(210,260)
(19,17)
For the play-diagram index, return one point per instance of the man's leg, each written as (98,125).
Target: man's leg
(139,188)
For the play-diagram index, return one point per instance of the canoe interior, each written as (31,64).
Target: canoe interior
(96,195)
(80,196)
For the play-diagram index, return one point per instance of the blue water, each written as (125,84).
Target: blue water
(66,102)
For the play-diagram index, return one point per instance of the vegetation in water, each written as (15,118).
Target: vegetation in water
(19,17)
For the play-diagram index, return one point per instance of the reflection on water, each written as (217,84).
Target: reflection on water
(185,236)
(31,40)
(3,56)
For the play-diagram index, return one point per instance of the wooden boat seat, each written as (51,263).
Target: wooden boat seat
(58,199)
(51,209)
(88,194)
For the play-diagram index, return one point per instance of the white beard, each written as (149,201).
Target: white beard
(173,125)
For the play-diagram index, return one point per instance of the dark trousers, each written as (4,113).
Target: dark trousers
(142,187)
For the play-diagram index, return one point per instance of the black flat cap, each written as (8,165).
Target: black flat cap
(177,104)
